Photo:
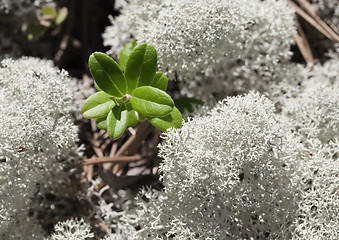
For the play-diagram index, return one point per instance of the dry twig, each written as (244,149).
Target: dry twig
(133,143)
(313,18)
(115,159)
(331,30)
(303,45)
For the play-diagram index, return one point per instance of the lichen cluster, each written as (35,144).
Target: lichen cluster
(213,47)
(36,137)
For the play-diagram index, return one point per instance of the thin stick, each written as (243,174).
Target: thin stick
(104,227)
(133,143)
(311,10)
(116,159)
(303,45)
(310,20)
(113,149)
(111,154)
(90,173)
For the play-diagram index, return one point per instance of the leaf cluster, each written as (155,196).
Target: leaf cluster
(130,91)
(49,17)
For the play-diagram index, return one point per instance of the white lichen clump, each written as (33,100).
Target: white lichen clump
(267,48)
(319,201)
(72,230)
(244,172)
(313,117)
(314,113)
(36,136)
(212,47)
(185,42)
(225,176)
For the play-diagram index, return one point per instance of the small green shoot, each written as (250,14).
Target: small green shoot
(130,91)
(50,17)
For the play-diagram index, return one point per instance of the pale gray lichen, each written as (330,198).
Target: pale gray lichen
(36,136)
(225,176)
(312,116)
(240,173)
(318,204)
(314,112)
(213,47)
(72,229)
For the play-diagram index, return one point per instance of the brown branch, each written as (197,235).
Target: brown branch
(89,174)
(133,143)
(104,227)
(113,149)
(311,10)
(116,159)
(303,45)
(111,154)
(319,26)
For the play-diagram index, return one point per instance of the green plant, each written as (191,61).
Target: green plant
(130,91)
(50,17)
(186,104)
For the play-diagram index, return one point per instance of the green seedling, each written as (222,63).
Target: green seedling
(130,91)
(50,17)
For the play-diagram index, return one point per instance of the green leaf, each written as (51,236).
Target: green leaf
(124,54)
(140,117)
(174,119)
(132,116)
(151,101)
(141,67)
(48,11)
(160,81)
(101,122)
(107,74)
(96,86)
(61,15)
(97,105)
(35,31)
(117,121)
(185,104)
